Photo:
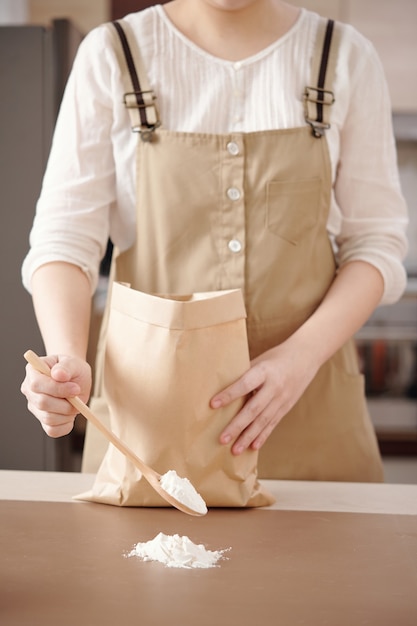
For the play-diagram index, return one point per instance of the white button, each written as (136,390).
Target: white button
(234,245)
(232,148)
(237,65)
(233,193)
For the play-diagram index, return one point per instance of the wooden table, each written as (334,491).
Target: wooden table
(333,554)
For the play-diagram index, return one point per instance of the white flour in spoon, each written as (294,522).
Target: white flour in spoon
(182,490)
(176,551)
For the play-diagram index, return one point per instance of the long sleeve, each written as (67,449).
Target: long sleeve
(78,192)
(367,187)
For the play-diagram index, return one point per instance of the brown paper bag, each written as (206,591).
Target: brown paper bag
(165,358)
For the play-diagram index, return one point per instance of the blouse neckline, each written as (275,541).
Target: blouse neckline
(225,62)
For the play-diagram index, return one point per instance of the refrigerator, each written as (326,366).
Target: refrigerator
(34,65)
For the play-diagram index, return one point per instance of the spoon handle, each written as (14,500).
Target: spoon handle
(37,363)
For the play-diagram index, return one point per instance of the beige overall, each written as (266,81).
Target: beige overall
(249,211)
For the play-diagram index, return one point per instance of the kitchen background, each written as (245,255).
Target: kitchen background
(38,40)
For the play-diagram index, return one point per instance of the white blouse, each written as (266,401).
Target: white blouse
(88,193)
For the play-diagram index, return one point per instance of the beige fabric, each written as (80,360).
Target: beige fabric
(185,220)
(165,358)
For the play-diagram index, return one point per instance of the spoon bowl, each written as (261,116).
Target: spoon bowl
(150,474)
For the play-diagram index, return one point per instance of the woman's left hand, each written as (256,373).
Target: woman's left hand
(277,378)
(272,385)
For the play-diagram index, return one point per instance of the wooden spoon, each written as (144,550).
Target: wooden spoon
(150,474)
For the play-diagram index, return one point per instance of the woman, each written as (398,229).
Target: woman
(308,222)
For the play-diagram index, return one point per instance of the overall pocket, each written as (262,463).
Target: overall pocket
(293,207)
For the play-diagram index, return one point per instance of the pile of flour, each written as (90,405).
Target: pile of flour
(183,491)
(173,550)
(176,551)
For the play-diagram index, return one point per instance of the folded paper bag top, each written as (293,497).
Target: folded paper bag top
(191,311)
(165,358)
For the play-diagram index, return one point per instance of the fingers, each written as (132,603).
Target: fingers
(268,399)
(55,424)
(246,384)
(56,415)
(67,369)
(251,427)
(47,396)
(258,432)
(58,384)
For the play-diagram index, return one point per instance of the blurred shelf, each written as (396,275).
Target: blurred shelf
(387,333)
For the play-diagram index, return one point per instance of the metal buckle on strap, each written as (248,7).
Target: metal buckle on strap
(317,97)
(131,102)
(145,129)
(146,132)
(319,128)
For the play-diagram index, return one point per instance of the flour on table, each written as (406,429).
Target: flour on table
(182,490)
(176,551)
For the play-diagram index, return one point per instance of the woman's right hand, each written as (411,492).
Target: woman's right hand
(47,395)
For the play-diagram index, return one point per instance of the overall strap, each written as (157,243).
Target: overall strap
(319,97)
(138,98)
